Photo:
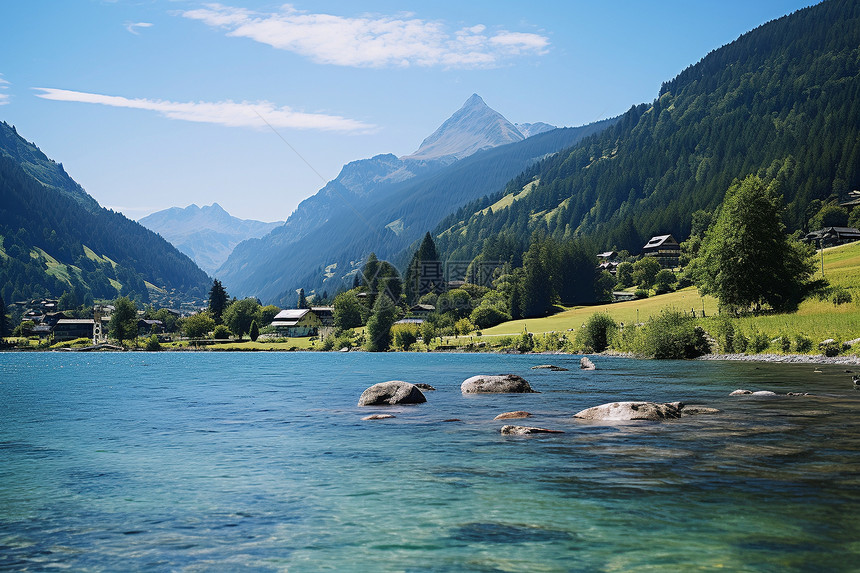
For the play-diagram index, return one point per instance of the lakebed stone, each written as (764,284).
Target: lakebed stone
(626,411)
(390,393)
(552,367)
(501,384)
(379,417)
(510,430)
(513,415)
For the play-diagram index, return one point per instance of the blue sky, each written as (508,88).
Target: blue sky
(151,104)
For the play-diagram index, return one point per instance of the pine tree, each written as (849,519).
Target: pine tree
(217,301)
(303,301)
(424,274)
(254,332)
(379,325)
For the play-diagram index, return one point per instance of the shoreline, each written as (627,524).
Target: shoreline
(848,360)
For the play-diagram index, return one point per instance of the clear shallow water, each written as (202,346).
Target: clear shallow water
(260,461)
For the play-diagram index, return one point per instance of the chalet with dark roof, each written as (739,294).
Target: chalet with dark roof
(831,236)
(665,249)
(72,328)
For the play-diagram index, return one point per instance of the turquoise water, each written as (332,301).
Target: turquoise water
(260,461)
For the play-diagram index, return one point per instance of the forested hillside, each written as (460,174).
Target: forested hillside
(783,97)
(55,240)
(387,223)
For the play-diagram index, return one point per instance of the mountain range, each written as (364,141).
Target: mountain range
(207,234)
(385,203)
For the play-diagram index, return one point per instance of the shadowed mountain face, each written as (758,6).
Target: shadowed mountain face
(207,234)
(474,127)
(380,180)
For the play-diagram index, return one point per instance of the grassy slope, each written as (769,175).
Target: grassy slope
(817,319)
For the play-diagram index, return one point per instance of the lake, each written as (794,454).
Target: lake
(261,462)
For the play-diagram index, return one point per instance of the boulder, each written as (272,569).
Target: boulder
(552,367)
(390,393)
(503,383)
(378,417)
(586,364)
(742,392)
(512,415)
(526,430)
(623,411)
(423,386)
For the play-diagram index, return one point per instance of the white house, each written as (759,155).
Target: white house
(297,322)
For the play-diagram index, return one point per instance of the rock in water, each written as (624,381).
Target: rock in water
(742,392)
(502,384)
(512,415)
(623,411)
(552,367)
(378,417)
(423,386)
(390,393)
(586,364)
(526,430)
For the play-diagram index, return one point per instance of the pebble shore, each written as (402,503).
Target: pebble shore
(852,359)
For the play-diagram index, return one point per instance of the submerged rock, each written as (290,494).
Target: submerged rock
(623,411)
(526,430)
(742,392)
(503,384)
(552,367)
(423,386)
(378,417)
(390,393)
(586,364)
(512,415)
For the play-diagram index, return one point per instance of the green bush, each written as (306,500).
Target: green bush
(841,295)
(152,343)
(802,343)
(725,331)
(641,293)
(405,335)
(488,316)
(525,342)
(597,332)
(831,349)
(221,332)
(785,343)
(505,341)
(759,342)
(672,334)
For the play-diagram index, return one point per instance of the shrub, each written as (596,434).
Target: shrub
(525,342)
(641,293)
(254,331)
(152,343)
(487,316)
(742,342)
(505,341)
(597,332)
(664,281)
(221,332)
(464,326)
(802,343)
(841,295)
(725,330)
(831,349)
(405,335)
(759,341)
(672,334)
(784,343)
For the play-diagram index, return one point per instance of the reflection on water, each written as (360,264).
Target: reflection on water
(261,461)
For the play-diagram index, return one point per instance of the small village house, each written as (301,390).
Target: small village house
(665,249)
(297,322)
(72,328)
(832,236)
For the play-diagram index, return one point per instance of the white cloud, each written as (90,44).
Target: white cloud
(4,85)
(380,41)
(133,26)
(228,113)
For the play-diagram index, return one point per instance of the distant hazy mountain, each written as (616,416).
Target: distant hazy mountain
(474,127)
(207,234)
(55,238)
(530,129)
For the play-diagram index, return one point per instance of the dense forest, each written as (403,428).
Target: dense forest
(54,238)
(784,97)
